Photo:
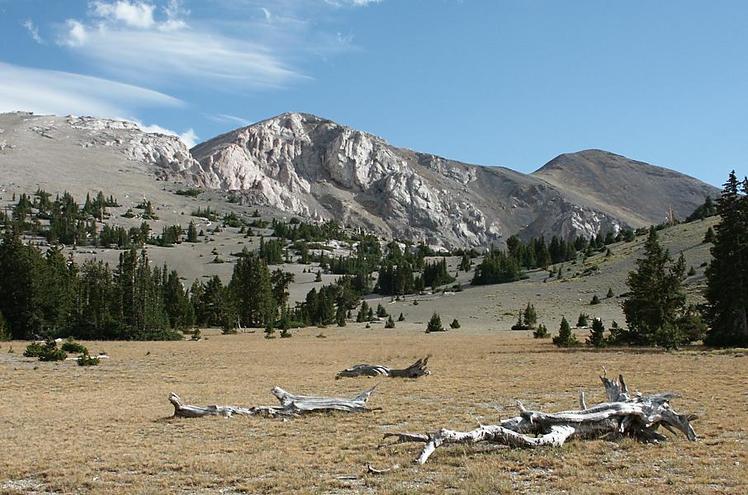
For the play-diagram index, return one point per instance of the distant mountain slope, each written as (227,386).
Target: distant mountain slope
(300,164)
(634,192)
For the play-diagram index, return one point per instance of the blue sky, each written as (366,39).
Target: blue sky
(493,82)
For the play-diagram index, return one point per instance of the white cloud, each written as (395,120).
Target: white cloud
(33,31)
(76,35)
(188,137)
(127,39)
(133,14)
(61,93)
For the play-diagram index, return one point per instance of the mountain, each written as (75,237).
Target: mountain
(307,165)
(304,165)
(636,193)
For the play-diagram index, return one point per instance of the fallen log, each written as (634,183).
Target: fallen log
(419,368)
(290,405)
(637,416)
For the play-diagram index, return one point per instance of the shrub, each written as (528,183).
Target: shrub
(86,360)
(610,293)
(595,300)
(73,347)
(50,352)
(390,323)
(691,271)
(401,317)
(565,337)
(455,324)
(541,332)
(435,324)
(34,349)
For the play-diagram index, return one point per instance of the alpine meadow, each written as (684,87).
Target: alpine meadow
(295,305)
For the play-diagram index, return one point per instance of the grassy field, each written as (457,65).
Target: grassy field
(67,429)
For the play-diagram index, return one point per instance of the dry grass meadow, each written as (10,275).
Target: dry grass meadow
(66,429)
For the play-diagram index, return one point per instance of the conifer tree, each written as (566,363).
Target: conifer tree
(530,316)
(363,313)
(192,232)
(656,298)
(597,334)
(541,332)
(435,324)
(390,323)
(727,274)
(565,337)
(252,289)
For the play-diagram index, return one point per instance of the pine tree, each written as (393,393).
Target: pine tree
(656,298)
(401,317)
(709,236)
(381,312)
(727,274)
(465,263)
(530,316)
(363,313)
(595,300)
(541,332)
(435,324)
(192,232)
(583,320)
(390,323)
(565,337)
(610,293)
(597,334)
(252,288)
(455,324)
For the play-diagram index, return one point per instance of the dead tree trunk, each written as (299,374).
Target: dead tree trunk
(639,417)
(419,368)
(290,405)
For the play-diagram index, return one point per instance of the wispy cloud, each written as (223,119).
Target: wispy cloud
(224,118)
(33,31)
(60,93)
(352,3)
(139,42)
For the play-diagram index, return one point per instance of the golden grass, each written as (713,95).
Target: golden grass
(104,429)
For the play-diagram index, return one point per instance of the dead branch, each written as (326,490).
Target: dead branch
(638,416)
(290,405)
(419,368)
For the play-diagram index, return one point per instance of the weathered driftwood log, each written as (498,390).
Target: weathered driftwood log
(419,368)
(638,416)
(290,405)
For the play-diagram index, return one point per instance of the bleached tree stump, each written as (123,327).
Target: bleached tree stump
(638,416)
(290,405)
(419,368)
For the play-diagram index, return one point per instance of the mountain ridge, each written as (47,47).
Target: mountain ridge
(301,164)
